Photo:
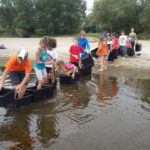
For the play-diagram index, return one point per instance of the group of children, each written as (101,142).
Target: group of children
(46,63)
(113,46)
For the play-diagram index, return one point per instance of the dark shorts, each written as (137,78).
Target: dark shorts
(114,54)
(48,70)
(75,63)
(16,77)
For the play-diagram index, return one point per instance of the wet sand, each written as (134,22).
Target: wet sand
(64,43)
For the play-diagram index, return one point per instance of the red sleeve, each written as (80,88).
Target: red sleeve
(81,49)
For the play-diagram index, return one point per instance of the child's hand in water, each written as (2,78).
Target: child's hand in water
(73,76)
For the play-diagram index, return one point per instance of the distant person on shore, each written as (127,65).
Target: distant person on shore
(102,52)
(109,42)
(41,62)
(19,68)
(2,46)
(67,69)
(74,51)
(129,47)
(52,56)
(133,38)
(83,42)
(122,44)
(109,45)
(115,47)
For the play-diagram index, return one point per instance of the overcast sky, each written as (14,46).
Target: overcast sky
(89,5)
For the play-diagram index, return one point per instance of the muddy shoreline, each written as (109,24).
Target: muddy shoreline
(140,62)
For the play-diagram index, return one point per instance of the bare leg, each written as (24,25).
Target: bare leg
(15,92)
(116,63)
(40,83)
(101,63)
(73,72)
(105,63)
(44,80)
(76,69)
(73,75)
(53,77)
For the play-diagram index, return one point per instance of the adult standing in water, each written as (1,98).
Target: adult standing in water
(19,69)
(83,42)
(133,38)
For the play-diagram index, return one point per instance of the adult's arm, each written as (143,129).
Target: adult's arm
(136,37)
(24,81)
(3,78)
(87,44)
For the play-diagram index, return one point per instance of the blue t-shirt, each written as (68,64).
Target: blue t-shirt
(42,58)
(84,43)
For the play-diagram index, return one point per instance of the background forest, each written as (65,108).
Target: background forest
(25,18)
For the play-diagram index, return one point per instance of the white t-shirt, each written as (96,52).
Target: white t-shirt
(53,55)
(122,40)
(109,42)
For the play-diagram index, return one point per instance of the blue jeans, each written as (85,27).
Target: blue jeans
(123,51)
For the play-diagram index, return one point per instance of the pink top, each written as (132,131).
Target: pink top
(69,66)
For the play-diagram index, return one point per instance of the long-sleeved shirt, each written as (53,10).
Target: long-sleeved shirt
(84,43)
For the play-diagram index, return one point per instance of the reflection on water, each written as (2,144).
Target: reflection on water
(73,108)
(107,88)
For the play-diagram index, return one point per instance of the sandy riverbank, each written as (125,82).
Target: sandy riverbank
(15,44)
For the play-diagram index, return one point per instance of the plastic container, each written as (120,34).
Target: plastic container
(38,95)
(68,80)
(87,61)
(130,52)
(85,71)
(54,84)
(6,97)
(138,47)
(93,52)
(110,56)
(26,100)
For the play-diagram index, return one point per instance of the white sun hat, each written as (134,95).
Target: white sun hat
(23,54)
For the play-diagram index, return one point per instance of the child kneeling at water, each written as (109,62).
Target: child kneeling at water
(67,69)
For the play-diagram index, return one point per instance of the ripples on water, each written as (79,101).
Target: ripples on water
(73,108)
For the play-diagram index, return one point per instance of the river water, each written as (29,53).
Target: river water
(99,112)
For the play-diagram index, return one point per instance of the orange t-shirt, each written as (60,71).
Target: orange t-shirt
(13,65)
(102,49)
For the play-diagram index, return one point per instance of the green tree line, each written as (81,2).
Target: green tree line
(117,15)
(25,18)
